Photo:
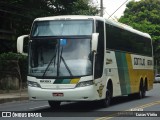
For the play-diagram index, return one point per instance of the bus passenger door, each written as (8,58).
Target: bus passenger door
(111,71)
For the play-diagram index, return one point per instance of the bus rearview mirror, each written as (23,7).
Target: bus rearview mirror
(20,43)
(95,41)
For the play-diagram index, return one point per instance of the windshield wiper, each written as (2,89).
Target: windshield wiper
(61,57)
(53,58)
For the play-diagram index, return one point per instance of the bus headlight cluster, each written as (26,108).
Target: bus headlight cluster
(33,84)
(85,83)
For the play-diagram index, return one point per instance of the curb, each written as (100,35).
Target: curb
(12,91)
(5,100)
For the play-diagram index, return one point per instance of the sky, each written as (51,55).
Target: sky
(110,6)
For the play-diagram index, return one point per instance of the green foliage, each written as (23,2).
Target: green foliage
(145,16)
(81,7)
(71,7)
(12,56)
(9,66)
(25,11)
(21,13)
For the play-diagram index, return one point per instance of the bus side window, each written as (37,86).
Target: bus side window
(100,50)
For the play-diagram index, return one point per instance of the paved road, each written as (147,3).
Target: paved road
(91,110)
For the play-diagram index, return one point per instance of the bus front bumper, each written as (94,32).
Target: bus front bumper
(87,93)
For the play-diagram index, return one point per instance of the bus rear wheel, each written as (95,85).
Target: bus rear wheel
(54,104)
(142,91)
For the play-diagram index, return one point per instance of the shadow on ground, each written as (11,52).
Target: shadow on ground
(84,108)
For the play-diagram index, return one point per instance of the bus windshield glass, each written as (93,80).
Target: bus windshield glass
(59,57)
(62,28)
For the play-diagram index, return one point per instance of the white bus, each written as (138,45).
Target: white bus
(86,58)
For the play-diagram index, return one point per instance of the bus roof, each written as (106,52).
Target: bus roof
(65,17)
(127,27)
(111,22)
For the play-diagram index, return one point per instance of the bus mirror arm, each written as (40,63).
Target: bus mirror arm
(94,57)
(94,42)
(20,43)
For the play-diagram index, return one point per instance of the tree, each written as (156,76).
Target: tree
(145,16)
(72,7)
(21,13)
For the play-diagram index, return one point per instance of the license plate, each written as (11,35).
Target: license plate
(57,94)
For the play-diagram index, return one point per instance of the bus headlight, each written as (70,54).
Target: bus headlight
(33,84)
(85,83)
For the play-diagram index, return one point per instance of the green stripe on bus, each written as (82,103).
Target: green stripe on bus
(62,81)
(66,81)
(58,81)
(123,72)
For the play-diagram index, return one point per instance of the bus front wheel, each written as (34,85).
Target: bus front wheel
(54,104)
(106,102)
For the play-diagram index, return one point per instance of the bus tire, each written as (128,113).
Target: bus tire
(106,102)
(142,91)
(54,104)
(145,88)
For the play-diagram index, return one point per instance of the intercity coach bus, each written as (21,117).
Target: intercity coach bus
(86,58)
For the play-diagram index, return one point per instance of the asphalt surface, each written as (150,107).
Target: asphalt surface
(88,110)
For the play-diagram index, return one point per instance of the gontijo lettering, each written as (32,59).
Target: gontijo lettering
(139,61)
(149,62)
(142,61)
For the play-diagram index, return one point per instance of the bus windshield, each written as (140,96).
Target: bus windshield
(59,57)
(62,28)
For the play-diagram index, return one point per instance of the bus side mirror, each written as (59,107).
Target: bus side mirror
(21,44)
(95,41)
